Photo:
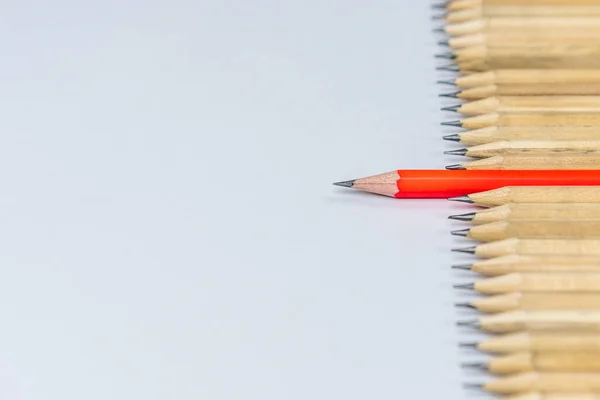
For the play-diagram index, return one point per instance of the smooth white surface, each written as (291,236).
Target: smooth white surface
(168,225)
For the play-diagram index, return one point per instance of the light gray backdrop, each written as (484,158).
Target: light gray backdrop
(168,228)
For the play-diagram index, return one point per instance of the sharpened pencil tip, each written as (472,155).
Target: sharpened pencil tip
(478,386)
(438,17)
(463,267)
(455,137)
(444,43)
(440,6)
(468,250)
(447,56)
(464,199)
(347,184)
(466,286)
(439,30)
(452,83)
(452,108)
(451,68)
(456,124)
(465,305)
(451,96)
(455,167)
(475,365)
(470,324)
(468,345)
(459,152)
(461,232)
(463,217)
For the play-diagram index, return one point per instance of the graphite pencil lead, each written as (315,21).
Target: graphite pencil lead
(455,167)
(455,137)
(463,267)
(439,30)
(450,95)
(453,83)
(444,43)
(467,286)
(457,124)
(459,152)
(476,365)
(461,232)
(463,217)
(451,68)
(470,324)
(447,56)
(465,305)
(478,386)
(452,108)
(347,184)
(464,199)
(438,17)
(440,6)
(468,250)
(468,345)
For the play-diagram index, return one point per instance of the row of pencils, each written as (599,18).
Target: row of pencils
(529,90)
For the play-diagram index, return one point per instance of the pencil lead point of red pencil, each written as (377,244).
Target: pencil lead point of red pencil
(451,68)
(457,124)
(461,232)
(467,286)
(464,267)
(447,56)
(465,305)
(347,184)
(464,199)
(455,167)
(459,152)
(450,95)
(468,250)
(463,217)
(471,324)
(452,108)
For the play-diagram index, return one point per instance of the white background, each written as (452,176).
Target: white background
(168,228)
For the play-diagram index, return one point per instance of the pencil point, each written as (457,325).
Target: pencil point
(464,199)
(439,17)
(465,305)
(466,286)
(447,56)
(468,250)
(450,95)
(457,124)
(451,68)
(440,6)
(444,43)
(468,345)
(478,386)
(455,137)
(347,184)
(459,152)
(463,267)
(461,232)
(470,324)
(452,108)
(451,83)
(463,217)
(455,167)
(439,30)
(476,365)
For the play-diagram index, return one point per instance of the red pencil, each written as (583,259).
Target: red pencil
(443,183)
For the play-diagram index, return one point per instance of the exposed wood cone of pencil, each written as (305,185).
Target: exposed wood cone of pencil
(532,263)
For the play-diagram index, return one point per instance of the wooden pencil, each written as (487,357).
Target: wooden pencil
(553,396)
(539,341)
(540,362)
(551,25)
(518,263)
(548,247)
(537,282)
(532,162)
(530,147)
(532,211)
(520,11)
(531,89)
(456,5)
(533,194)
(530,38)
(565,229)
(529,104)
(539,320)
(525,77)
(547,382)
(503,119)
(529,301)
(511,133)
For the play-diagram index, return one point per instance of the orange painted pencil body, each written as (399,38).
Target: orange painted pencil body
(448,183)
